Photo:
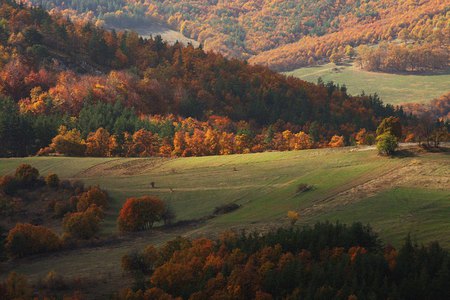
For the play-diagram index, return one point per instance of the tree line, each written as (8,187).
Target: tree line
(403,58)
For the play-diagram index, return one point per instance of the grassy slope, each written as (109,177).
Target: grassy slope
(392,88)
(264,184)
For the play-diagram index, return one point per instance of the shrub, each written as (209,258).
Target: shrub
(45,151)
(386,144)
(303,187)
(8,185)
(364,138)
(336,141)
(52,180)
(16,287)
(28,239)
(83,225)
(93,196)
(26,175)
(226,208)
(140,213)
(293,216)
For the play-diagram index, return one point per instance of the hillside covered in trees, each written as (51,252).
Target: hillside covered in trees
(289,34)
(59,72)
(327,261)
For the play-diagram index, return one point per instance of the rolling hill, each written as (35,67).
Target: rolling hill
(407,194)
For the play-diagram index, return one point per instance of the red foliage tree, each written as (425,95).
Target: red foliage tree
(140,213)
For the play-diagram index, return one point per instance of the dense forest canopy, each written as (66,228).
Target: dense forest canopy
(327,261)
(52,68)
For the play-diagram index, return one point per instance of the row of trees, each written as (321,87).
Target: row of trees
(403,58)
(192,138)
(320,262)
(198,142)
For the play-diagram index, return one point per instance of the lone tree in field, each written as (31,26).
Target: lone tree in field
(386,144)
(140,213)
(389,132)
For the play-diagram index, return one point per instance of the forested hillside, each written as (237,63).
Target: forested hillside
(57,72)
(288,34)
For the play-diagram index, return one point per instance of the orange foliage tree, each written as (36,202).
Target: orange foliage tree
(27,239)
(140,213)
(93,196)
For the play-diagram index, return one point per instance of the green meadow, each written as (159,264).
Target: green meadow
(265,186)
(392,88)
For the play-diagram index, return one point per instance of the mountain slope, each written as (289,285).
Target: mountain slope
(423,22)
(285,34)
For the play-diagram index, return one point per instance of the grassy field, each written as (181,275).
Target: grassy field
(392,88)
(396,196)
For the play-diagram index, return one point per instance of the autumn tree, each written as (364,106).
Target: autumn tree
(364,138)
(27,239)
(52,180)
(336,142)
(93,196)
(145,143)
(140,213)
(85,224)
(69,142)
(26,175)
(387,143)
(100,143)
(390,125)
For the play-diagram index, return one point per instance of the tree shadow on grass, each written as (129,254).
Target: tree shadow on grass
(404,153)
